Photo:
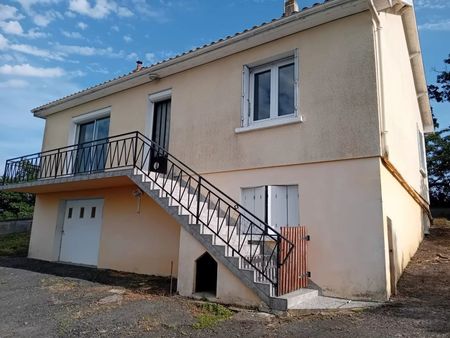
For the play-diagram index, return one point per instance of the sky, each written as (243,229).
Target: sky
(52,48)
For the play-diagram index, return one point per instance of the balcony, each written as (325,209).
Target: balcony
(101,163)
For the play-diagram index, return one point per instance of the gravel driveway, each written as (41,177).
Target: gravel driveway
(39,299)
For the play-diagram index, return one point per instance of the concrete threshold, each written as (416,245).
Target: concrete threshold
(330,303)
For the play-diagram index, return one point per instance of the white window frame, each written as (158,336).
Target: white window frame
(422,152)
(248,79)
(152,99)
(85,118)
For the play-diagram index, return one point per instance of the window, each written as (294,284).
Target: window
(93,210)
(81,212)
(278,205)
(70,213)
(422,153)
(270,92)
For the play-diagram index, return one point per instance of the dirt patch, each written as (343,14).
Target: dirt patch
(54,300)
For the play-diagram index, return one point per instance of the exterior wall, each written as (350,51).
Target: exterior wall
(402,112)
(145,242)
(230,289)
(407,223)
(340,204)
(337,100)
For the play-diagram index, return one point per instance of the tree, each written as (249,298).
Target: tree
(15,205)
(438,145)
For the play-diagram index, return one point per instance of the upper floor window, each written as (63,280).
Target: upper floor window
(422,152)
(270,91)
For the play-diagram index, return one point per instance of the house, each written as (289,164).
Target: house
(196,167)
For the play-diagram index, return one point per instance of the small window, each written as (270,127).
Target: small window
(69,214)
(270,91)
(422,152)
(81,212)
(93,210)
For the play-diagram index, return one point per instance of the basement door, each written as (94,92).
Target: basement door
(80,238)
(160,135)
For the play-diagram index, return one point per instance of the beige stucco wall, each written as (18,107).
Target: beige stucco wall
(230,289)
(401,107)
(145,242)
(340,204)
(407,223)
(337,99)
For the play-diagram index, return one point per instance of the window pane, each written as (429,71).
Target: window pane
(102,127)
(262,96)
(286,90)
(81,212)
(93,210)
(70,213)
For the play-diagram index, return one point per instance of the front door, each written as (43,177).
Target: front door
(92,149)
(81,232)
(160,136)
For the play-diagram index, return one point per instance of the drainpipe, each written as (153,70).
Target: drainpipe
(380,79)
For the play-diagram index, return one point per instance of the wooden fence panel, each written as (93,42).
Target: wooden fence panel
(293,274)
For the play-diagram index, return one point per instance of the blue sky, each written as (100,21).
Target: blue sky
(51,48)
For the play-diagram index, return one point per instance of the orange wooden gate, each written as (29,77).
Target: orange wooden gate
(293,274)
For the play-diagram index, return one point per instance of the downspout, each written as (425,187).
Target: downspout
(380,79)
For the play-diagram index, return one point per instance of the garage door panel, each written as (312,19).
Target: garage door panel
(81,232)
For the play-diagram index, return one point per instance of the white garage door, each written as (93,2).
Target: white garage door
(81,232)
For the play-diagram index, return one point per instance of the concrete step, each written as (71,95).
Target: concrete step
(297,297)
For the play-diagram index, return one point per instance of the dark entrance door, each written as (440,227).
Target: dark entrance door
(206,274)
(160,136)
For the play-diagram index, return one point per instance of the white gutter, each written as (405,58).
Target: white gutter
(380,79)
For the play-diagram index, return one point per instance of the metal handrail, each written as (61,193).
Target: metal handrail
(134,150)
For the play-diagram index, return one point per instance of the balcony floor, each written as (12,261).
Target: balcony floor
(107,179)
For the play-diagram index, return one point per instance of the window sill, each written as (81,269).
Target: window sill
(269,124)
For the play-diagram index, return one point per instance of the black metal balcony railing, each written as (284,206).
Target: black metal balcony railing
(243,233)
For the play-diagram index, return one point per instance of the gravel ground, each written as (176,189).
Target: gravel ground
(40,299)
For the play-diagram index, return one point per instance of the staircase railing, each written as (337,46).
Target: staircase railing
(242,233)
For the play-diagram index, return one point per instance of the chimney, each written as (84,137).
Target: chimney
(290,7)
(138,66)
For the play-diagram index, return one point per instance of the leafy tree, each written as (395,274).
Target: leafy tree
(438,145)
(15,205)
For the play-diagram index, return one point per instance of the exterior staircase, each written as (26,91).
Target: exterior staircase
(246,245)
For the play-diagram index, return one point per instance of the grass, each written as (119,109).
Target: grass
(14,244)
(210,314)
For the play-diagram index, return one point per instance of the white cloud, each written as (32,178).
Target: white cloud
(431,4)
(9,13)
(151,57)
(132,56)
(28,4)
(11,27)
(3,42)
(87,51)
(31,50)
(82,25)
(127,38)
(72,35)
(115,28)
(436,26)
(29,71)
(100,9)
(14,83)
(35,33)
